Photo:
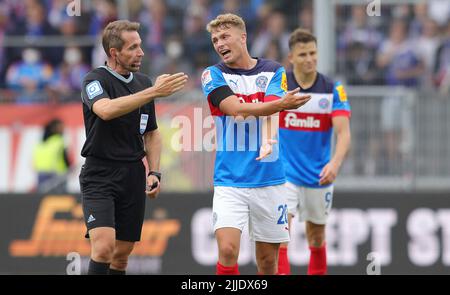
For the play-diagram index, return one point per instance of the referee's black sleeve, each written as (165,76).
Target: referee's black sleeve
(150,110)
(219,94)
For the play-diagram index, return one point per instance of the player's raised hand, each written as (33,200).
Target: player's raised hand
(166,84)
(293,100)
(266,149)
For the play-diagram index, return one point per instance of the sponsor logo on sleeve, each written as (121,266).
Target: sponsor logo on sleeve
(206,77)
(341,92)
(94,89)
(284,85)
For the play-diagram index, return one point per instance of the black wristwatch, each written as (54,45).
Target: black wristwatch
(157,174)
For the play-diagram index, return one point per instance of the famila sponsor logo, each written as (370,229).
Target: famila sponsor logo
(291,120)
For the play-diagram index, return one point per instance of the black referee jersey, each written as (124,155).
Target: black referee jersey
(119,139)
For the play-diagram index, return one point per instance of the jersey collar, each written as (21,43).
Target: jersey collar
(119,76)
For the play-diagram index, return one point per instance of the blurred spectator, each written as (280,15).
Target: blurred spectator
(17,11)
(174,61)
(358,37)
(29,77)
(419,19)
(403,67)
(358,29)
(34,27)
(83,21)
(442,64)
(66,83)
(401,11)
(4,21)
(197,43)
(180,27)
(199,8)
(291,11)
(306,18)
(105,11)
(274,52)
(57,12)
(68,27)
(50,159)
(439,10)
(359,67)
(134,9)
(157,25)
(427,44)
(399,57)
(239,7)
(275,32)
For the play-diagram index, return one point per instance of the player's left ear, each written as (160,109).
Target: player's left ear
(244,38)
(290,55)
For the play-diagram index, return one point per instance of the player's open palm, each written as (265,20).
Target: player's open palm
(266,149)
(293,100)
(166,84)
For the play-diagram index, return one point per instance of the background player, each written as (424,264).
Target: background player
(246,190)
(305,136)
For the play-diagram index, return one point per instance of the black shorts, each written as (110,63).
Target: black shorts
(113,195)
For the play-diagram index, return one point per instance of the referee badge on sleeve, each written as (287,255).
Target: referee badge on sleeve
(143,124)
(93,89)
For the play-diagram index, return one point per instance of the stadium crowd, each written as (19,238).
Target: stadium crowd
(409,44)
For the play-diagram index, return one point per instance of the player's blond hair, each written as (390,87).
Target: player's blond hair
(112,34)
(225,21)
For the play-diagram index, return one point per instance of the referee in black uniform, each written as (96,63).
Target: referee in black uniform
(120,123)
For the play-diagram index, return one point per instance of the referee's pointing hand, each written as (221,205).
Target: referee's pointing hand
(167,84)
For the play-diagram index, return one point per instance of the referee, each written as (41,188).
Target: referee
(120,123)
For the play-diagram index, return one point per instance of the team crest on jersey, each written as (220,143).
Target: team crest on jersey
(284,85)
(324,103)
(341,92)
(94,89)
(206,77)
(261,82)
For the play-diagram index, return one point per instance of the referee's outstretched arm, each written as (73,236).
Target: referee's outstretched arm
(165,85)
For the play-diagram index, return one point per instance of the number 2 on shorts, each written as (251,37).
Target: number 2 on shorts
(283,218)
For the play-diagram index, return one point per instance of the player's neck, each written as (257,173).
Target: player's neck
(305,81)
(245,63)
(117,68)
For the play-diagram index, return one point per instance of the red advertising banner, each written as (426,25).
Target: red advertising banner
(182,126)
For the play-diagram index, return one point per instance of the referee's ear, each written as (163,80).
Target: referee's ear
(113,52)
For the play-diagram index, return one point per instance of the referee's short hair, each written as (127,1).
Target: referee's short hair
(301,36)
(111,37)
